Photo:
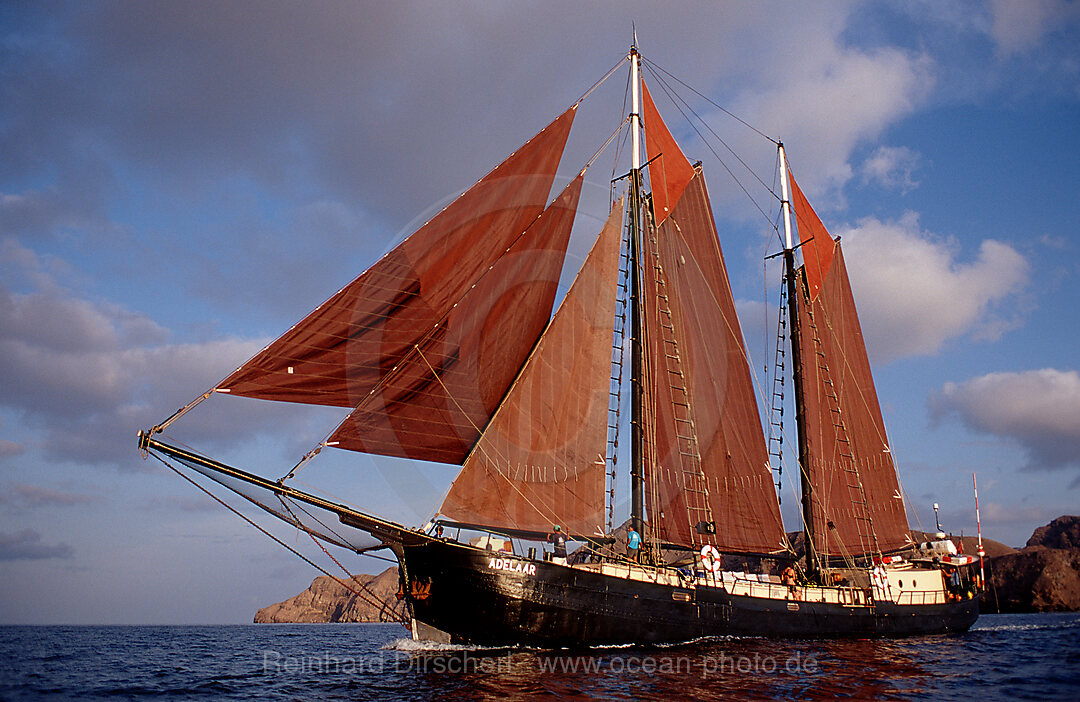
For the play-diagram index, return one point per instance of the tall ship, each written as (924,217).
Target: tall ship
(446,350)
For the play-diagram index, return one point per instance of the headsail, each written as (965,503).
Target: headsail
(345,348)
(434,403)
(707,456)
(541,460)
(856,501)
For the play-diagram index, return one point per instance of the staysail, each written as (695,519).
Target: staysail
(540,461)
(857,507)
(442,393)
(351,344)
(706,454)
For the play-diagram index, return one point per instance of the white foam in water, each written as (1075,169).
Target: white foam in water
(1018,627)
(411,646)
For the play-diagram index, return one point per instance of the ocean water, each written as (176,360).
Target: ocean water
(1014,657)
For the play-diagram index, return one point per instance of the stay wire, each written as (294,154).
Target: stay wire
(679,104)
(369,596)
(653,68)
(247,519)
(656,67)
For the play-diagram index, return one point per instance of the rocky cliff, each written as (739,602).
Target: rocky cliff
(327,600)
(1044,576)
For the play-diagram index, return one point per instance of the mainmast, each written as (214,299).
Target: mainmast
(812,564)
(637,349)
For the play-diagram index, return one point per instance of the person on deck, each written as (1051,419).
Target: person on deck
(790,578)
(952,577)
(557,539)
(633,545)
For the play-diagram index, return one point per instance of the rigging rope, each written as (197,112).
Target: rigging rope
(370,597)
(247,519)
(679,102)
(656,67)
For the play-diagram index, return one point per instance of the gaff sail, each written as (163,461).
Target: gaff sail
(857,506)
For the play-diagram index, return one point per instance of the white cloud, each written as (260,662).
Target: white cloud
(913,293)
(892,167)
(1038,409)
(89,374)
(832,100)
(1019,26)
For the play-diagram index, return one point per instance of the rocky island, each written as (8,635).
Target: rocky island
(1044,576)
(327,600)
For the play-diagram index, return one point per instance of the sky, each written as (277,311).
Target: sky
(181,182)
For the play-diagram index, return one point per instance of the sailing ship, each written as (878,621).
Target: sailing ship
(446,350)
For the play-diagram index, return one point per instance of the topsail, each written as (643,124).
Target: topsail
(857,507)
(706,447)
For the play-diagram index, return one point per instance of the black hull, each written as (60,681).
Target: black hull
(481,597)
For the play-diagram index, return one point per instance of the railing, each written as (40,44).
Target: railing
(912,597)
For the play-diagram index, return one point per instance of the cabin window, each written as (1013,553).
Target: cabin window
(901,583)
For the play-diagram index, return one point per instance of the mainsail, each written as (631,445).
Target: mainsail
(706,453)
(541,460)
(352,344)
(857,506)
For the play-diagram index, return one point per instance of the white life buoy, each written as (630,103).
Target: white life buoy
(710,558)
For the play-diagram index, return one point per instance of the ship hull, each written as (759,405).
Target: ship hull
(462,594)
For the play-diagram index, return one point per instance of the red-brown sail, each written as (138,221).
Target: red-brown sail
(669,171)
(857,506)
(442,393)
(540,462)
(705,426)
(342,350)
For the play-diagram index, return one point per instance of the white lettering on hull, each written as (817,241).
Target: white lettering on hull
(512,565)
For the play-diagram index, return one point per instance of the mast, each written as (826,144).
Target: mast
(812,564)
(637,349)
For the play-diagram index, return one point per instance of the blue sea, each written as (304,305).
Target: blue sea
(1015,657)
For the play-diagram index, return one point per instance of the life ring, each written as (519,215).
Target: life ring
(710,558)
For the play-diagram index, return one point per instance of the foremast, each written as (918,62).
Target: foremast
(806,490)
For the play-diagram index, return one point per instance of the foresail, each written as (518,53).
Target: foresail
(434,403)
(541,461)
(705,449)
(345,348)
(850,463)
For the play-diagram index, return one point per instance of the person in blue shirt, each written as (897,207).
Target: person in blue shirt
(633,545)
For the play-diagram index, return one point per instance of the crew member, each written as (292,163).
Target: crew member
(790,578)
(557,539)
(633,545)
